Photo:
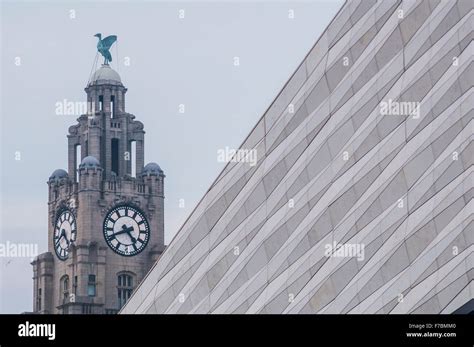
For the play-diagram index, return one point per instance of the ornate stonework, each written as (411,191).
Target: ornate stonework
(92,264)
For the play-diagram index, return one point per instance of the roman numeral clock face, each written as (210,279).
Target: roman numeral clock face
(65,233)
(126,230)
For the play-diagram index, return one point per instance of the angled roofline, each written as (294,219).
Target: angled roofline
(246,138)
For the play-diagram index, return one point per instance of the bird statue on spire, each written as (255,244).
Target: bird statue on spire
(104,45)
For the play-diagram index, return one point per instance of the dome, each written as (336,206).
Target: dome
(105,75)
(152,169)
(89,162)
(58,174)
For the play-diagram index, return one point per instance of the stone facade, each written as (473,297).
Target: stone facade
(87,281)
(350,208)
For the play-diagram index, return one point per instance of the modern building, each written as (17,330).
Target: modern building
(105,214)
(361,197)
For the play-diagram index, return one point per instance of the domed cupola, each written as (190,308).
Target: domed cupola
(58,175)
(89,162)
(105,75)
(105,92)
(152,169)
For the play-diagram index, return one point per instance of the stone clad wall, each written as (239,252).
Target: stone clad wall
(344,160)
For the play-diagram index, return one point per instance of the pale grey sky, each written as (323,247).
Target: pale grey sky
(173,61)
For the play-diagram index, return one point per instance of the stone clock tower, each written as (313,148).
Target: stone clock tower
(105,214)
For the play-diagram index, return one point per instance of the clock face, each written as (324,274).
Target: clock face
(65,232)
(126,230)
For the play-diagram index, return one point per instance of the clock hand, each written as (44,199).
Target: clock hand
(118,233)
(127,229)
(132,238)
(124,230)
(129,232)
(61,235)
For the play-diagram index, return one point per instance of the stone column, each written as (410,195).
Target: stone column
(94,142)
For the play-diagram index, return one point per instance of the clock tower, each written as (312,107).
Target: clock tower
(105,214)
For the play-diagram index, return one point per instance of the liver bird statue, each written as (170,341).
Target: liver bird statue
(104,45)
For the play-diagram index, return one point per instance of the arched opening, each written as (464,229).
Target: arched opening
(91,285)
(125,286)
(115,156)
(112,106)
(64,285)
(78,156)
(133,158)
